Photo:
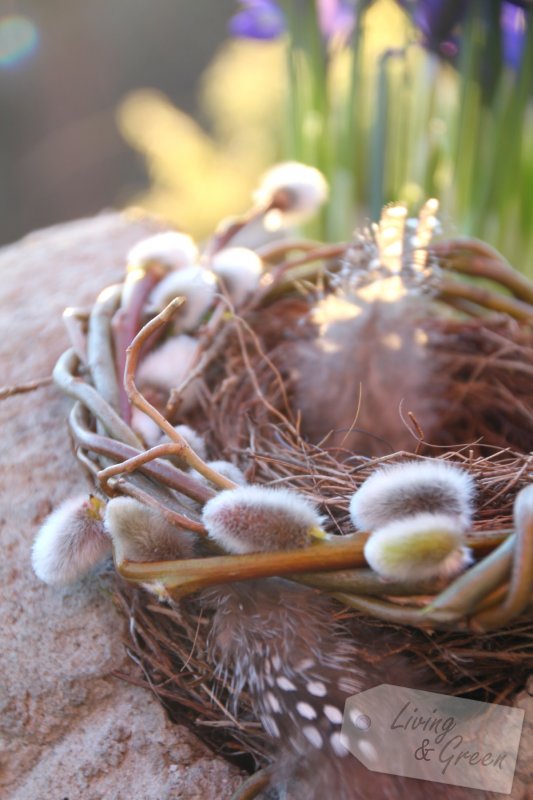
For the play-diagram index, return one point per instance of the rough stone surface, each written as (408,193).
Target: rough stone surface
(68,728)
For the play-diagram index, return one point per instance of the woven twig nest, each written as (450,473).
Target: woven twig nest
(307,371)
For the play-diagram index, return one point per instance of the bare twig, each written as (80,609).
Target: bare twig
(24,388)
(367,582)
(182,448)
(274,250)
(210,345)
(159,470)
(284,276)
(137,462)
(401,614)
(149,498)
(230,228)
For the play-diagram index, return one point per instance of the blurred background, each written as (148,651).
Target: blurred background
(177,106)
(65,68)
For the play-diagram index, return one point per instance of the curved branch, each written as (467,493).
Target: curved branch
(182,448)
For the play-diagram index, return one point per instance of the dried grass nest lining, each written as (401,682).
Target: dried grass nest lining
(247,416)
(466,382)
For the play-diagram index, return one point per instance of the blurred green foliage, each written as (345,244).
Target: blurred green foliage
(384,119)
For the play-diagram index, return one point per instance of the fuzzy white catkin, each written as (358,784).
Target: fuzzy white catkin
(400,490)
(167,367)
(260,519)
(421,546)
(70,543)
(140,533)
(240,269)
(174,250)
(193,439)
(225,468)
(304,188)
(152,435)
(196,284)
(145,427)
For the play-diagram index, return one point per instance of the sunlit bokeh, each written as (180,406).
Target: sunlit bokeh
(386,120)
(198,177)
(19,38)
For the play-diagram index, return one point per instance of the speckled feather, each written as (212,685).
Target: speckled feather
(281,642)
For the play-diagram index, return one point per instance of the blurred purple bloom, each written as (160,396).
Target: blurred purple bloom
(336,18)
(513,24)
(258,19)
(439,22)
(264,19)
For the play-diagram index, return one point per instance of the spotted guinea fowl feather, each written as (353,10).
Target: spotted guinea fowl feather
(281,643)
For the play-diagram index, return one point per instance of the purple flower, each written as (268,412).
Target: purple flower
(336,18)
(439,22)
(513,24)
(264,19)
(258,19)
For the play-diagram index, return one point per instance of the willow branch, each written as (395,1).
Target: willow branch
(100,356)
(64,376)
(147,498)
(190,575)
(399,615)
(127,322)
(159,470)
(466,591)
(487,299)
(182,448)
(367,582)
(520,585)
(75,321)
(476,258)
(340,553)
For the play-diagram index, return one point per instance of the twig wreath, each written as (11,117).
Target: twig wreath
(187,380)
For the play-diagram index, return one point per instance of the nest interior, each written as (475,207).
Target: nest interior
(312,392)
